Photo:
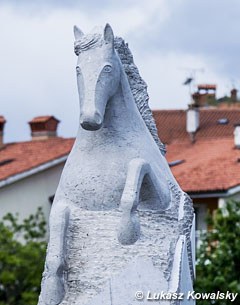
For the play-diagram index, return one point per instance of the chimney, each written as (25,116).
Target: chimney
(43,127)
(237,135)
(196,97)
(207,94)
(2,123)
(234,95)
(192,123)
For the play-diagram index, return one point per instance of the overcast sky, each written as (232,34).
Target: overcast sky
(168,38)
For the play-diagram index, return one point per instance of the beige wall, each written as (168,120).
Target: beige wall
(26,195)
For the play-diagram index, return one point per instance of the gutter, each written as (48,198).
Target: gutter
(223,194)
(32,171)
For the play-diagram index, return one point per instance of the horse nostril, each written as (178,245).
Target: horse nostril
(90,126)
(91,122)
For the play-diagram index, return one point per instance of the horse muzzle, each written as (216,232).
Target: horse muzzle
(91,121)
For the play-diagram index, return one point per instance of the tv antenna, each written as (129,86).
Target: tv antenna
(190,80)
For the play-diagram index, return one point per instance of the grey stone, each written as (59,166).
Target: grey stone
(119,221)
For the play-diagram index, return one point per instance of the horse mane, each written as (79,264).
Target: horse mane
(137,84)
(138,88)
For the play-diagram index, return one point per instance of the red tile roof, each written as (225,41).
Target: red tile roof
(172,124)
(42,119)
(210,165)
(19,157)
(207,86)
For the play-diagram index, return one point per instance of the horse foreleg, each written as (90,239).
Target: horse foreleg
(52,290)
(129,230)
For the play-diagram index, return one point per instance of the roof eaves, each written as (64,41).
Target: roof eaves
(210,194)
(32,171)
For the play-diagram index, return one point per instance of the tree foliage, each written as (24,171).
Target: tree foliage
(22,255)
(218,259)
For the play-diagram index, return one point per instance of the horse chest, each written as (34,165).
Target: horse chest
(94,183)
(95,174)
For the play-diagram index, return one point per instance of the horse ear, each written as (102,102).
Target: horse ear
(78,34)
(108,34)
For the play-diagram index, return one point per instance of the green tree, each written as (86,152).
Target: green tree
(22,255)
(218,259)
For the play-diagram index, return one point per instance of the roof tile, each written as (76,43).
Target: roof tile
(210,165)
(172,124)
(42,119)
(31,154)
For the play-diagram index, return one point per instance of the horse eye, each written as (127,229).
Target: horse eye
(78,69)
(107,69)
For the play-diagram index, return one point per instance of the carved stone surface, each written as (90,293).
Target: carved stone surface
(119,221)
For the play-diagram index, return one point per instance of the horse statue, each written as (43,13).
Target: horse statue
(119,220)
